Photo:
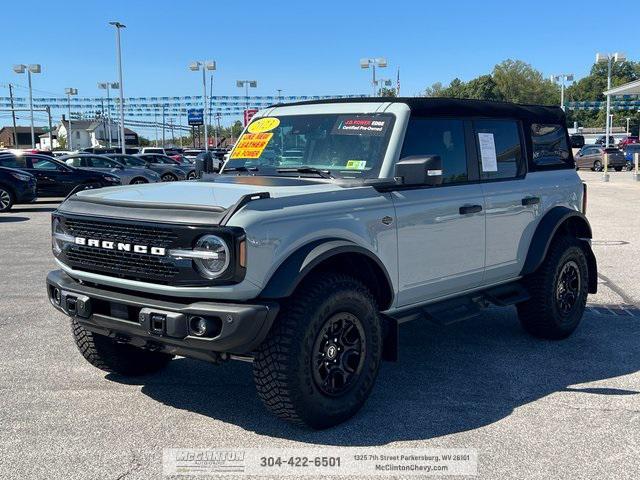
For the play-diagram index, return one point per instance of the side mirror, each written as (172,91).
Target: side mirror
(419,170)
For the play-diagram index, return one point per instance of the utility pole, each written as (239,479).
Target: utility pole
(162,125)
(13,114)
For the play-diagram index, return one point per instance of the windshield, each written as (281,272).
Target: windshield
(344,145)
(129,160)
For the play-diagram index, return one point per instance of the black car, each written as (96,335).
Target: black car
(16,187)
(168,172)
(601,140)
(56,179)
(158,159)
(577,141)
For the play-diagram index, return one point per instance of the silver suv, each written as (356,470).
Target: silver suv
(102,163)
(332,223)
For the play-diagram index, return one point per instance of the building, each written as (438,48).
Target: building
(94,133)
(24,136)
(43,140)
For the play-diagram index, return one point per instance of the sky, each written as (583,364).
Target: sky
(301,47)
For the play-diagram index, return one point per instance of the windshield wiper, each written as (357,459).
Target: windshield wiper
(317,171)
(240,169)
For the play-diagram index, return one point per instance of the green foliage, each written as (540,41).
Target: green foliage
(62,142)
(387,92)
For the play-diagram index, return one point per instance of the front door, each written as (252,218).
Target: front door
(441,229)
(54,179)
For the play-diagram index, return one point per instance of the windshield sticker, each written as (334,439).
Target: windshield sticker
(251,145)
(488,152)
(350,125)
(356,165)
(262,125)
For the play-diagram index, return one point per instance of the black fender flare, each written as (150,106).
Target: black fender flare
(297,266)
(545,232)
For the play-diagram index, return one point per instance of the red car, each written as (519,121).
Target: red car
(627,141)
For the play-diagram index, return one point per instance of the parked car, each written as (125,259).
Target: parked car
(61,153)
(107,151)
(629,154)
(592,157)
(216,163)
(167,172)
(103,163)
(628,140)
(191,154)
(601,140)
(577,141)
(157,159)
(55,178)
(392,214)
(16,187)
(158,150)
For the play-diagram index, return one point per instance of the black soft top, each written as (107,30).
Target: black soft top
(436,106)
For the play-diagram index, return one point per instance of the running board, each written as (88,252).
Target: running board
(468,306)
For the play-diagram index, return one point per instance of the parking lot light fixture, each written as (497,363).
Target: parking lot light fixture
(204,66)
(69,91)
(380,62)
(29,69)
(246,84)
(119,26)
(108,86)
(562,78)
(609,59)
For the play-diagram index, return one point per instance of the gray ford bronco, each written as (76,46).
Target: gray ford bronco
(331,223)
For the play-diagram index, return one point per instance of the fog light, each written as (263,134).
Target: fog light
(207,327)
(198,326)
(57,297)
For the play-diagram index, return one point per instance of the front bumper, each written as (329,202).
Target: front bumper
(148,322)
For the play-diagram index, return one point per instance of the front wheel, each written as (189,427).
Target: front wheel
(192,175)
(618,169)
(320,361)
(6,199)
(558,291)
(597,166)
(104,353)
(168,177)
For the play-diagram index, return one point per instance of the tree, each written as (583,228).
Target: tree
(62,142)
(519,82)
(483,88)
(387,92)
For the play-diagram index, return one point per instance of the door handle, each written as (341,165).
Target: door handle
(467,209)
(530,201)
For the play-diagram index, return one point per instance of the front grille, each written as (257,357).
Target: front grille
(130,265)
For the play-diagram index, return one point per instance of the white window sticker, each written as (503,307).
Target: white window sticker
(488,152)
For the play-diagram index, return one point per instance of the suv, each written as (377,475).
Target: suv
(16,187)
(592,157)
(392,210)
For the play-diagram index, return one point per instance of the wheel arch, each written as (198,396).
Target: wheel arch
(334,255)
(561,221)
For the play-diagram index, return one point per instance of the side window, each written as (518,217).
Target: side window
(74,162)
(44,164)
(439,136)
(550,147)
(13,162)
(100,162)
(499,149)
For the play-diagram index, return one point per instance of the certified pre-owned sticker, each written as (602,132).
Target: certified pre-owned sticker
(262,125)
(359,125)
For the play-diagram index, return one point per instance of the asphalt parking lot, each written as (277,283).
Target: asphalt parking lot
(531,408)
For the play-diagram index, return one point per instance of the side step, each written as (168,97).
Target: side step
(468,306)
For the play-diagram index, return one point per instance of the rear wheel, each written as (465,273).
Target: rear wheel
(138,181)
(320,361)
(597,166)
(618,169)
(192,175)
(168,177)
(106,354)
(558,291)
(6,199)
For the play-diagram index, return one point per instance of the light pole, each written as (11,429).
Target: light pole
(383,82)
(119,26)
(70,91)
(107,86)
(29,69)
(628,120)
(279,95)
(373,62)
(609,59)
(194,67)
(563,77)
(246,84)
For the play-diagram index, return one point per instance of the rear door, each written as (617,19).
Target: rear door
(441,229)
(511,202)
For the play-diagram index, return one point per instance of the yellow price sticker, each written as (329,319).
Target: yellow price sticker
(262,125)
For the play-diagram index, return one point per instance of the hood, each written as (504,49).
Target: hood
(181,202)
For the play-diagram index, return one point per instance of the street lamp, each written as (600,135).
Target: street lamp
(609,59)
(194,67)
(373,62)
(119,26)
(29,69)
(383,82)
(69,91)
(246,84)
(568,77)
(107,86)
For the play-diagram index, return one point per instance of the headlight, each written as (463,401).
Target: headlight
(20,176)
(213,254)
(58,236)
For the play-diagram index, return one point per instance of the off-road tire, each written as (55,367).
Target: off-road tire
(6,199)
(282,368)
(541,315)
(104,353)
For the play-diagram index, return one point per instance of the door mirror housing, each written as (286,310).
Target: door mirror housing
(419,170)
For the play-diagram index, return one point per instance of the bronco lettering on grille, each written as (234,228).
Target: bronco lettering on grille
(122,247)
